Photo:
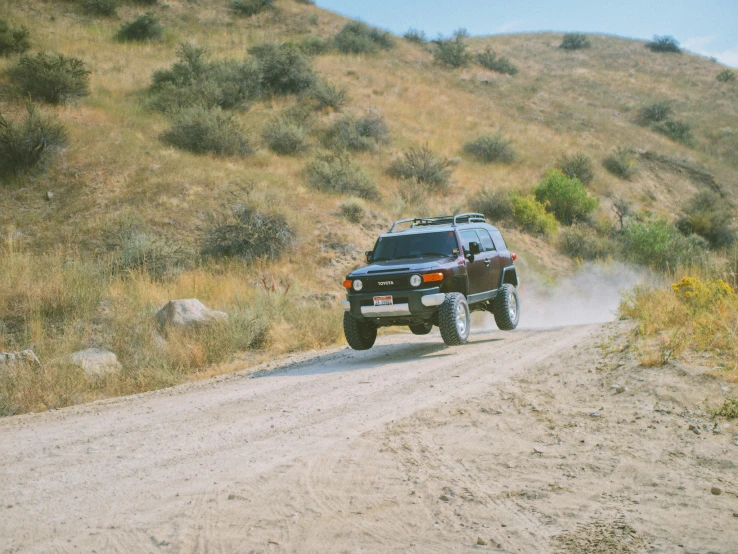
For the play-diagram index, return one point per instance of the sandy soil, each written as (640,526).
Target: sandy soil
(532,441)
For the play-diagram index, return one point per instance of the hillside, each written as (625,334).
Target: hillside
(116,172)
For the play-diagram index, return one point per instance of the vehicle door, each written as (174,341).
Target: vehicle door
(476,269)
(491,258)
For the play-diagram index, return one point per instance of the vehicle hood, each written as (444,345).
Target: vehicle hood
(400,266)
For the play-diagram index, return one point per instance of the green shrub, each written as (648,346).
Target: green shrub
(677,131)
(577,166)
(201,130)
(138,251)
(196,81)
(339,175)
(284,136)
(655,112)
(658,244)
(52,78)
(532,216)
(358,133)
(358,38)
(13,40)
(489,59)
(709,216)
(575,41)
(584,243)
(308,2)
(422,166)
(491,148)
(664,44)
(565,197)
(620,163)
(413,35)
(726,76)
(729,409)
(145,27)
(353,209)
(246,233)
(496,204)
(452,52)
(30,145)
(247,8)
(106,8)
(328,96)
(284,69)
(314,46)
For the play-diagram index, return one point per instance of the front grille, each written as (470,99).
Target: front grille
(372,284)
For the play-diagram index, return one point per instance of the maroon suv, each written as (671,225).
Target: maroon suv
(432,271)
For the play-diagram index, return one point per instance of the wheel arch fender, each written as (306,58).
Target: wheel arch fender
(509,276)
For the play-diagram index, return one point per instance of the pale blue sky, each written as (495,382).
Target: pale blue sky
(708,27)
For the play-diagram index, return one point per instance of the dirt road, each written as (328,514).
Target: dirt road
(517,442)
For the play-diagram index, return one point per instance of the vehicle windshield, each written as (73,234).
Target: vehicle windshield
(415,246)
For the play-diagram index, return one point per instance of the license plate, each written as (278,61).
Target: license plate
(382,300)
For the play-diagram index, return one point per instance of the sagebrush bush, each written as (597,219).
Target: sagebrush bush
(585,243)
(491,148)
(248,8)
(283,68)
(315,46)
(328,96)
(29,145)
(577,165)
(359,38)
(565,197)
(726,76)
(496,204)
(488,58)
(532,216)
(358,133)
(143,252)
(52,78)
(285,136)
(421,165)
(207,131)
(106,8)
(13,40)
(196,81)
(452,52)
(340,175)
(353,209)
(659,244)
(655,112)
(664,44)
(246,233)
(575,41)
(708,215)
(413,35)
(620,163)
(677,131)
(145,27)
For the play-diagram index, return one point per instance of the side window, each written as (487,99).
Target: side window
(499,241)
(467,237)
(487,243)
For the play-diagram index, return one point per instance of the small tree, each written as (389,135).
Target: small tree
(664,44)
(13,40)
(452,52)
(578,166)
(726,76)
(52,78)
(145,27)
(565,197)
(575,41)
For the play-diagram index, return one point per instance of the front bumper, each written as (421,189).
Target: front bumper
(408,304)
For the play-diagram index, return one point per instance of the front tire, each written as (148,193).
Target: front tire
(359,335)
(506,308)
(454,319)
(421,328)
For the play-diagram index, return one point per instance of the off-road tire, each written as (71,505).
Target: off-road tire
(506,308)
(452,330)
(421,328)
(359,335)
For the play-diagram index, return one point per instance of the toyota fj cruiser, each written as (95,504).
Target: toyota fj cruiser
(432,271)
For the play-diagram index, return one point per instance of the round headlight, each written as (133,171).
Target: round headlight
(415,280)
(358,285)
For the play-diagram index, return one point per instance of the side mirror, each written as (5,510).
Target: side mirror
(474,248)
(369,256)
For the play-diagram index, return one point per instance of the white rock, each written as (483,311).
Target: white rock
(186,313)
(96,361)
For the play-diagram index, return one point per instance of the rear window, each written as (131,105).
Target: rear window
(415,246)
(499,241)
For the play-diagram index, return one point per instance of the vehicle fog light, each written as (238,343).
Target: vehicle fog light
(415,280)
(358,285)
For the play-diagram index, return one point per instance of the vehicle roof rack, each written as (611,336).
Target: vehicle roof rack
(452,220)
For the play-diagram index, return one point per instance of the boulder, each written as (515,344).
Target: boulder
(188,313)
(96,362)
(23,357)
